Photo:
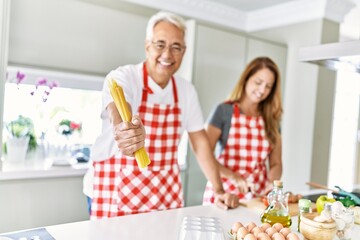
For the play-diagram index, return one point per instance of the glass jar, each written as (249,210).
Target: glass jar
(304,207)
(277,211)
(344,223)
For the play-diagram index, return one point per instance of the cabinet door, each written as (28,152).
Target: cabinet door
(219,60)
(276,52)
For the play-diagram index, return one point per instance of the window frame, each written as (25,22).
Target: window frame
(4,46)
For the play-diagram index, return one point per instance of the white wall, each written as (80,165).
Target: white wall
(74,36)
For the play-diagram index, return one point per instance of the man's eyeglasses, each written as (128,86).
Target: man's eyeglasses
(175,48)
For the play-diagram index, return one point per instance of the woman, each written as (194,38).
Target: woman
(246,127)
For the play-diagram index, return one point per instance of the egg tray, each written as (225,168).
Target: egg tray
(201,228)
(263,232)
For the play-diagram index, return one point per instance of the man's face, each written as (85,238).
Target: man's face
(164,51)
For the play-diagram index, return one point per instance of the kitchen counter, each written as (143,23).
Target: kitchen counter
(162,225)
(39,168)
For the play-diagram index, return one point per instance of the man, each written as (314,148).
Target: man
(162,107)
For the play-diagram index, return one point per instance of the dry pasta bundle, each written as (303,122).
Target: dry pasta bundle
(117,93)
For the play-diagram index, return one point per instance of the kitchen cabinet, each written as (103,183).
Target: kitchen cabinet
(41,197)
(219,59)
(275,51)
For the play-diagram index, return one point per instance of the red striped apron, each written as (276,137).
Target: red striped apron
(121,188)
(245,153)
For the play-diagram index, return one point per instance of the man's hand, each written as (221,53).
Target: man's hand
(226,200)
(130,136)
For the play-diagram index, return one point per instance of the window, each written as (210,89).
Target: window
(64,102)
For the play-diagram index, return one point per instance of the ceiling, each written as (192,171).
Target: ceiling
(250,5)
(255,15)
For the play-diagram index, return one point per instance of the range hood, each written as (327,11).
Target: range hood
(335,56)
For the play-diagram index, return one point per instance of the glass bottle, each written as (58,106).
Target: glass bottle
(304,207)
(278,210)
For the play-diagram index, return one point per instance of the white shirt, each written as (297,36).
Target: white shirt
(130,78)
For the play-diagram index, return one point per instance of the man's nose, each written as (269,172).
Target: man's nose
(167,51)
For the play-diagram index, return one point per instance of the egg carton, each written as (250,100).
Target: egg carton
(201,228)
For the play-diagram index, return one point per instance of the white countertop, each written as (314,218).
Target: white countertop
(163,225)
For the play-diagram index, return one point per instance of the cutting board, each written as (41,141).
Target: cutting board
(257,205)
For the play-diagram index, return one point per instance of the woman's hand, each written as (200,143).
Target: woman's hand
(129,136)
(226,200)
(240,183)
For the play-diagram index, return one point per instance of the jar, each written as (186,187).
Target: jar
(304,207)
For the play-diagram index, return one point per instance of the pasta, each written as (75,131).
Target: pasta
(117,93)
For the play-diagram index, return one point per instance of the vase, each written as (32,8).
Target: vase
(17,148)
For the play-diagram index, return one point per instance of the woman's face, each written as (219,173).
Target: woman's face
(259,85)
(165,51)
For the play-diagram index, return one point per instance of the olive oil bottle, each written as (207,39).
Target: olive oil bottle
(278,210)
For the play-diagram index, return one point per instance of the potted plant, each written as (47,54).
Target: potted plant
(21,138)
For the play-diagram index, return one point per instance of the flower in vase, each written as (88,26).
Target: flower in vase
(17,79)
(47,87)
(43,87)
(67,127)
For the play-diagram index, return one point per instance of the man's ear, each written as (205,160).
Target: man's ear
(147,45)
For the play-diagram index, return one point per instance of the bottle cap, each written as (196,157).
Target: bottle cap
(304,203)
(278,183)
(327,206)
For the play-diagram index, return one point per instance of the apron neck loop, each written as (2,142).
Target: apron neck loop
(147,89)
(236,109)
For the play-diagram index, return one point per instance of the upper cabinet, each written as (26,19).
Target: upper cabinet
(276,52)
(219,60)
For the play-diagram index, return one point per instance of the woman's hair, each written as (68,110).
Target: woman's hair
(167,17)
(270,108)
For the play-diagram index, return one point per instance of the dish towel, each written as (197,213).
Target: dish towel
(34,234)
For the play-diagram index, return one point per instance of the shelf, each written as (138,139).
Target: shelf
(335,56)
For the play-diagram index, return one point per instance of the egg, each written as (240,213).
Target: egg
(278,226)
(270,231)
(241,233)
(265,226)
(277,236)
(250,226)
(285,231)
(256,231)
(249,236)
(263,236)
(292,236)
(235,227)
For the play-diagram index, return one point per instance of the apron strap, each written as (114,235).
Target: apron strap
(236,110)
(148,90)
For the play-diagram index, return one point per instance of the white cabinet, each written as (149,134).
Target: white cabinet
(31,203)
(276,52)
